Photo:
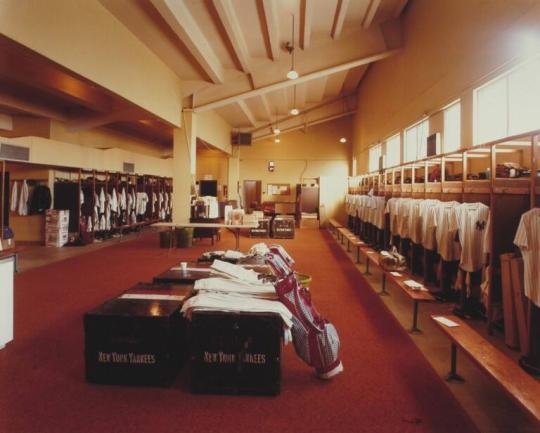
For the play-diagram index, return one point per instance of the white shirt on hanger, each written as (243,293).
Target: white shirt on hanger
(23,199)
(441,218)
(472,223)
(528,240)
(14,196)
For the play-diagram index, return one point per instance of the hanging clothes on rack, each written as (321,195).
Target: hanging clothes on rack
(527,239)
(14,196)
(41,200)
(23,199)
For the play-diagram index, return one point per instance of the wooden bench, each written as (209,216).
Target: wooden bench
(416,296)
(343,232)
(372,256)
(334,225)
(517,384)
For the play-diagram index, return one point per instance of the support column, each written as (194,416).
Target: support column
(233,175)
(184,166)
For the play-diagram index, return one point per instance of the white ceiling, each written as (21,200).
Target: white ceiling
(228,51)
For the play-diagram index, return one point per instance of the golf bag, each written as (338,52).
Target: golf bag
(315,339)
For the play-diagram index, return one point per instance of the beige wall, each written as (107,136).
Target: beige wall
(105,138)
(67,31)
(215,164)
(451,46)
(213,129)
(300,155)
(58,153)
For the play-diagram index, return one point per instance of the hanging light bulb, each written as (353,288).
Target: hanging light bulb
(277,140)
(292,74)
(294,111)
(277,130)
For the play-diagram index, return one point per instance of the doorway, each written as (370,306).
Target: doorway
(252,194)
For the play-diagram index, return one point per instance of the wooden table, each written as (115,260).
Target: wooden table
(235,228)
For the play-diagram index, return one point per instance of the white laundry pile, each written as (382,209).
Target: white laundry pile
(226,285)
(235,271)
(235,303)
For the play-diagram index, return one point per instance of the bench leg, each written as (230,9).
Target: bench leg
(383,291)
(348,245)
(358,254)
(415,329)
(453,376)
(367,267)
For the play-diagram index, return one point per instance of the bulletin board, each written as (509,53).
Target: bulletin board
(278,189)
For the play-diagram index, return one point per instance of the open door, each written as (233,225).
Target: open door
(252,194)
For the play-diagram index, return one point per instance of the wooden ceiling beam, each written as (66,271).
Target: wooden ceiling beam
(272,26)
(266,106)
(303,124)
(343,99)
(183,24)
(306,10)
(31,108)
(247,112)
(228,18)
(339,18)
(370,13)
(287,83)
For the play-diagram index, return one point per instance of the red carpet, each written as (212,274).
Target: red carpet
(387,385)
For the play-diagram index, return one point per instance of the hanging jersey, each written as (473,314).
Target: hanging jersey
(441,218)
(528,240)
(472,224)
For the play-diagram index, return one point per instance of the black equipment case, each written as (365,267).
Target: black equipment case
(233,353)
(139,339)
(263,229)
(283,227)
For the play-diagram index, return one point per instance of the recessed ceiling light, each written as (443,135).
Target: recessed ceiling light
(295,111)
(277,131)
(292,74)
(343,140)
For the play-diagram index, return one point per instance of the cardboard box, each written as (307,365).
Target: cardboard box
(235,353)
(57,218)
(56,238)
(136,339)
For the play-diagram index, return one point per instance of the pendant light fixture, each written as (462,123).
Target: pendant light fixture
(276,128)
(292,74)
(294,111)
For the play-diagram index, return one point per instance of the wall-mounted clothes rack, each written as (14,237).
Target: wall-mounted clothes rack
(502,174)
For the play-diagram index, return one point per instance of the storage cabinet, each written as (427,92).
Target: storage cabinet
(7,269)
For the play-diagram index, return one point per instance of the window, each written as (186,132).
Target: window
(452,128)
(508,105)
(416,141)
(392,151)
(374,153)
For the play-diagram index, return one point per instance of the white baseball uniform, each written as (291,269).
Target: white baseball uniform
(472,223)
(441,218)
(528,240)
